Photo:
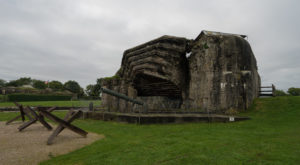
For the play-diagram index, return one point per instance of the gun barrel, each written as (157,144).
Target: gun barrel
(121,96)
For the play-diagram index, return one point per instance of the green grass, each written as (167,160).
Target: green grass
(272,136)
(83,103)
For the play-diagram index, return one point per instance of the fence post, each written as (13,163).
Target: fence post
(273,90)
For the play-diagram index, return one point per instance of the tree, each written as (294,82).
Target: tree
(24,81)
(19,82)
(294,91)
(2,83)
(280,93)
(56,85)
(94,89)
(81,92)
(39,84)
(72,86)
(13,83)
(97,87)
(89,89)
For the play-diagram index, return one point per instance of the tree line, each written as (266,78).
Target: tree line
(71,85)
(291,91)
(91,89)
(55,85)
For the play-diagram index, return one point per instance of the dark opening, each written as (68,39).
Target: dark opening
(153,86)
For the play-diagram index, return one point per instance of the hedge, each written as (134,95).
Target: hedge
(89,98)
(37,97)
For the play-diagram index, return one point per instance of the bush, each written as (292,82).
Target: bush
(294,91)
(36,97)
(280,93)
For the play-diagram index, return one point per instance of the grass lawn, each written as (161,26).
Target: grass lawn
(272,136)
(84,103)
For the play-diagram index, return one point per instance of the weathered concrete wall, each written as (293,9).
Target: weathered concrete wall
(223,73)
(220,74)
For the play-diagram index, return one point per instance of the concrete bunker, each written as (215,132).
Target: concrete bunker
(219,74)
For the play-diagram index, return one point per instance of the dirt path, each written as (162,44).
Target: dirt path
(29,146)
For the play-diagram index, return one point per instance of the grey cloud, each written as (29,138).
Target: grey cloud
(84,40)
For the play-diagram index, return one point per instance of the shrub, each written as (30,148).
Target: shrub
(37,97)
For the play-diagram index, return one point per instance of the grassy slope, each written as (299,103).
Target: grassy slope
(53,103)
(272,136)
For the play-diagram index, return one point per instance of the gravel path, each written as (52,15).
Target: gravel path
(29,146)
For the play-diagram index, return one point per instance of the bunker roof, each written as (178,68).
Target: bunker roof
(213,33)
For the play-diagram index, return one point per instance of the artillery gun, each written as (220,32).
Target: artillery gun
(124,97)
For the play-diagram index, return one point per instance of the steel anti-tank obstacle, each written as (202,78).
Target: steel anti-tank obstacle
(36,114)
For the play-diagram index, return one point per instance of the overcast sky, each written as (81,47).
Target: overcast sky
(84,40)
